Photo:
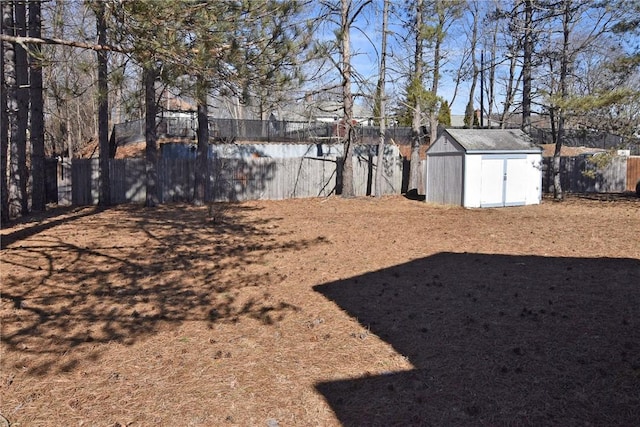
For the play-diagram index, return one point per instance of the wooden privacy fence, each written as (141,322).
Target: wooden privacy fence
(78,181)
(579,175)
(227,179)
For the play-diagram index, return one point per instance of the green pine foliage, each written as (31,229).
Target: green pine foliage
(248,49)
(444,115)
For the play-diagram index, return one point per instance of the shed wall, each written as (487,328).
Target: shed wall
(472,182)
(444,179)
(534,190)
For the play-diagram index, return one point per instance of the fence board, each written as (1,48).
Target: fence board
(633,173)
(364,175)
(85,181)
(128,177)
(176,179)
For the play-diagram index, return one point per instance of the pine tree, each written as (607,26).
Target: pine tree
(444,115)
(246,49)
(381,114)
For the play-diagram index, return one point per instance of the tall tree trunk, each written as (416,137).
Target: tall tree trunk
(381,99)
(416,123)
(469,112)
(527,66)
(202,153)
(7,88)
(435,82)
(151,149)
(433,113)
(67,129)
(556,159)
(508,99)
(38,194)
(492,77)
(103,108)
(347,99)
(564,72)
(22,93)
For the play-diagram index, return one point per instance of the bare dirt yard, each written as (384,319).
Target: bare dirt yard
(324,312)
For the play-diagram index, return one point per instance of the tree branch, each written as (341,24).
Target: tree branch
(34,40)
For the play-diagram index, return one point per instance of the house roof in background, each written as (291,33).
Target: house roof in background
(178,104)
(549,149)
(457,120)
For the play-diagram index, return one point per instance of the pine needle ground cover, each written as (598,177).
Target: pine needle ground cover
(323,312)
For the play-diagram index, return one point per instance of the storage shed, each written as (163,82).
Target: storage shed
(484,168)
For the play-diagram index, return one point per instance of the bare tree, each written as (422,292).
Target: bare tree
(527,65)
(415,95)
(564,64)
(70,91)
(510,32)
(469,113)
(445,13)
(342,14)
(346,21)
(381,98)
(569,39)
(491,87)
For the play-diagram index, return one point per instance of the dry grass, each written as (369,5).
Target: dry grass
(324,312)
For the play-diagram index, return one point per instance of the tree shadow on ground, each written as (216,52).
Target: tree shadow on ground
(150,268)
(497,340)
(42,221)
(627,196)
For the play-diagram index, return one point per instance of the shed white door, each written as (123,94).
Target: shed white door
(492,178)
(515,192)
(503,181)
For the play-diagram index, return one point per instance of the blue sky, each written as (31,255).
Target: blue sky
(365,58)
(366,61)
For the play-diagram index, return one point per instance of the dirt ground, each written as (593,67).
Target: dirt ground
(324,312)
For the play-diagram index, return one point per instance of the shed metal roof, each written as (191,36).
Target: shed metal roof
(493,140)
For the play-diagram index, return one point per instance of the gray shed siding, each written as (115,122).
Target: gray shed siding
(445,144)
(444,179)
